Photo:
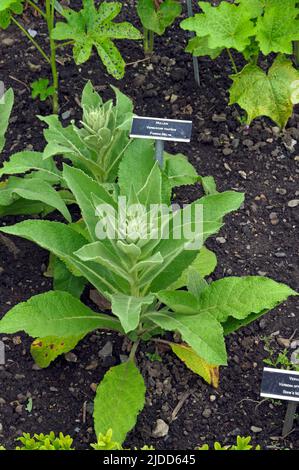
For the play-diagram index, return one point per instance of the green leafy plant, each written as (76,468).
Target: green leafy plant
(6,104)
(252,28)
(243,443)
(96,146)
(45,442)
(83,29)
(156,16)
(133,259)
(41,89)
(278,360)
(62,442)
(92,27)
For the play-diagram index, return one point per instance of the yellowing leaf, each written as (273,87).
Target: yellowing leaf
(208,372)
(262,94)
(45,350)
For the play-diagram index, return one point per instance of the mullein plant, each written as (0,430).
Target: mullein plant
(95,145)
(151,267)
(85,30)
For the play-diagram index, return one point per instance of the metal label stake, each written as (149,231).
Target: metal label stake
(195,59)
(289,418)
(159,152)
(161,130)
(282,385)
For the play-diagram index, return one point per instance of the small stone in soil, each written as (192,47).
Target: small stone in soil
(71,357)
(295,357)
(280,254)
(281,191)
(293,203)
(219,117)
(93,365)
(66,114)
(106,350)
(274,218)
(207,413)
(221,240)
(161,429)
(227,151)
(256,429)
(19,409)
(94,387)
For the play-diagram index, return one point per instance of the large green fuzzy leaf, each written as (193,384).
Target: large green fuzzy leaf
(151,192)
(276,30)
(103,254)
(55,314)
(26,161)
(204,264)
(262,94)
(176,257)
(128,309)
(65,141)
(24,207)
(119,399)
(90,97)
(227,26)
(64,280)
(138,160)
(82,187)
(92,27)
(177,171)
(5,110)
(62,240)
(158,19)
(202,332)
(239,297)
(37,190)
(180,301)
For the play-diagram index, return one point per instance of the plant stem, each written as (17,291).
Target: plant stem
(133,351)
(36,8)
(151,41)
(63,44)
(38,47)
(50,14)
(148,41)
(145,40)
(232,60)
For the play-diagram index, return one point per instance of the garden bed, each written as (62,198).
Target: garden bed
(260,238)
